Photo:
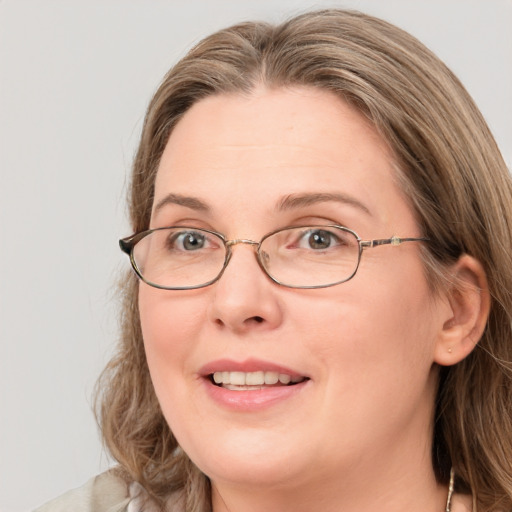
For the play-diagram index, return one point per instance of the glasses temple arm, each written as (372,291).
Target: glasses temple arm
(394,240)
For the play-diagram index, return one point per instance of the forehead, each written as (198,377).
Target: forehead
(273,117)
(272,143)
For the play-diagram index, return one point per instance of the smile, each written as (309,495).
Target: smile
(251,385)
(245,381)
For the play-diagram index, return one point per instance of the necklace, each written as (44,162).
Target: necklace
(450,491)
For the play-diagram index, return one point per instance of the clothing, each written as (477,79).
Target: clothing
(104,493)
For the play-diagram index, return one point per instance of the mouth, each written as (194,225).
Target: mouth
(253,381)
(252,385)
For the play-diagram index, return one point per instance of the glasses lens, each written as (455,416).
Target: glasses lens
(311,256)
(179,257)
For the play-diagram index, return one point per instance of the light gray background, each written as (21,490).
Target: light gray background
(75,78)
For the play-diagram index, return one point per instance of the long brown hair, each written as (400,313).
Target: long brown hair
(451,170)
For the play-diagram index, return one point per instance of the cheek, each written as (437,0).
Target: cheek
(384,335)
(170,324)
(168,319)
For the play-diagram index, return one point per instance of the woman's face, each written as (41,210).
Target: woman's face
(245,166)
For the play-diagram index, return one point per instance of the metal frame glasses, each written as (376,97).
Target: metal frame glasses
(315,256)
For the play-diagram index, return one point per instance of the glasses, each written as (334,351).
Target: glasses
(184,258)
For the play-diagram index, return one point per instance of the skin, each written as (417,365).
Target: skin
(369,346)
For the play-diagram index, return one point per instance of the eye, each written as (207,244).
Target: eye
(188,241)
(319,239)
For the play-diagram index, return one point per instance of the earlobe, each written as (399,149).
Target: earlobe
(468,304)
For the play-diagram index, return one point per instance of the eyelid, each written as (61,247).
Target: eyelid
(187,223)
(313,220)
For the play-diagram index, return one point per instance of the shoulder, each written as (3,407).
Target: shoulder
(106,492)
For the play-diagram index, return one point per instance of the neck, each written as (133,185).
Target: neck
(367,492)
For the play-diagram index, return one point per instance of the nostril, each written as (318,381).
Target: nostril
(252,319)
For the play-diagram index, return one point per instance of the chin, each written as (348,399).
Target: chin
(249,458)
(253,473)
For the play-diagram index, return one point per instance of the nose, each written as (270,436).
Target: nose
(244,298)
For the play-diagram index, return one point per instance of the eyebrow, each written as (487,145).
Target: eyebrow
(189,202)
(294,201)
(289,202)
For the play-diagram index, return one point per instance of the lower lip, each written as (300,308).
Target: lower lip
(257,399)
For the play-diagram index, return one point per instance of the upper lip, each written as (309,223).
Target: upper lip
(248,365)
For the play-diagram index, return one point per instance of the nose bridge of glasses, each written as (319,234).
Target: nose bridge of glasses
(230,243)
(240,241)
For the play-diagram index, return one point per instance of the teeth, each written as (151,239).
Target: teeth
(286,379)
(254,378)
(271,378)
(237,378)
(259,378)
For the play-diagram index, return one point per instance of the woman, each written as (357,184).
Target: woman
(322,313)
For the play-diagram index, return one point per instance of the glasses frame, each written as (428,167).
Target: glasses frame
(127,245)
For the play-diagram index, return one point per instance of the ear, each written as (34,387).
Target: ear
(468,301)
